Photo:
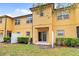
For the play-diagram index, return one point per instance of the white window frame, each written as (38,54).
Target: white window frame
(17,21)
(63,15)
(42,36)
(60,31)
(29,19)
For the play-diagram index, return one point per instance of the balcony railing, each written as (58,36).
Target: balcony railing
(38,4)
(62,5)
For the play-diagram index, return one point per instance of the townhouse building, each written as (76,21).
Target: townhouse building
(63,22)
(42,23)
(21,25)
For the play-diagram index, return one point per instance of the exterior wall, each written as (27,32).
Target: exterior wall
(23,27)
(50,21)
(9,25)
(41,23)
(2,26)
(68,25)
(6,25)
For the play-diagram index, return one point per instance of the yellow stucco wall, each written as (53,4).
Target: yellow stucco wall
(53,24)
(2,24)
(23,27)
(41,23)
(6,22)
(9,25)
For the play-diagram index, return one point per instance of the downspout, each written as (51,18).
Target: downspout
(5,32)
(32,28)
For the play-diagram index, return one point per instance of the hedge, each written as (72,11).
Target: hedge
(67,42)
(23,40)
(7,38)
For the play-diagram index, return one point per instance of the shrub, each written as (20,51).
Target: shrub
(77,41)
(73,42)
(60,41)
(23,40)
(6,39)
(66,41)
(56,42)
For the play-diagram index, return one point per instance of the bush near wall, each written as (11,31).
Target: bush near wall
(7,39)
(70,42)
(23,40)
(60,41)
(77,40)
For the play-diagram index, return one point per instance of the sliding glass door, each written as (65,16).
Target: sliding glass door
(42,36)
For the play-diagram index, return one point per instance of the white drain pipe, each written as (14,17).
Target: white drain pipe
(52,39)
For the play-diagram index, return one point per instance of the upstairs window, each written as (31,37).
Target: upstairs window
(63,16)
(62,5)
(29,19)
(41,14)
(17,21)
(0,20)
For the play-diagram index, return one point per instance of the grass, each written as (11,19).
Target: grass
(32,50)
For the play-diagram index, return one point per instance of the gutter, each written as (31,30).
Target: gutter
(5,32)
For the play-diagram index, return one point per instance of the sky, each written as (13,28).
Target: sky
(15,9)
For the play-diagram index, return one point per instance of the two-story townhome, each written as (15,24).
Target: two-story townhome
(21,25)
(63,22)
(6,26)
(42,24)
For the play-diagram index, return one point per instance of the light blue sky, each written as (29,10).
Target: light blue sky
(15,9)
(18,9)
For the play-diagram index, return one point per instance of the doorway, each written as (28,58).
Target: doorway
(42,36)
(77,31)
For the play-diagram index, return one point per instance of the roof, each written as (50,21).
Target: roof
(40,5)
(15,17)
(6,16)
(23,16)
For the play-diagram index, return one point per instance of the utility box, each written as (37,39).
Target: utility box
(14,37)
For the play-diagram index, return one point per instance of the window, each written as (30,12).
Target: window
(18,32)
(29,19)
(77,31)
(60,32)
(17,21)
(0,20)
(41,14)
(62,5)
(9,33)
(63,15)
(42,36)
(27,33)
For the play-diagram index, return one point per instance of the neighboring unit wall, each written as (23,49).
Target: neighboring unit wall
(23,27)
(9,25)
(67,25)
(2,26)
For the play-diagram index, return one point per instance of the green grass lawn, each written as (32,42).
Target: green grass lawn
(32,50)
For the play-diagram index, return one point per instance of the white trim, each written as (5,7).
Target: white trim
(42,43)
(52,39)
